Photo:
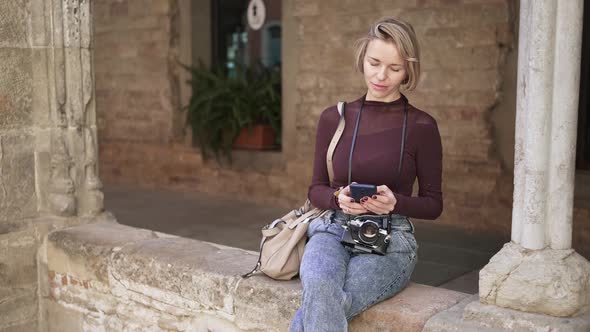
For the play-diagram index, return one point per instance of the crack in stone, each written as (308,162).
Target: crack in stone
(2,184)
(16,296)
(497,284)
(205,309)
(110,261)
(572,252)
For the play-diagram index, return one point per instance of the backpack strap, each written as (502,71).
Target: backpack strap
(335,140)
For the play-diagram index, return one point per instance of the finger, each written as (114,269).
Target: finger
(373,210)
(345,190)
(354,210)
(379,199)
(381,203)
(356,206)
(347,202)
(376,208)
(359,211)
(343,198)
(374,204)
(384,189)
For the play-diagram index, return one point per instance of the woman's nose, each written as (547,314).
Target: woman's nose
(381,74)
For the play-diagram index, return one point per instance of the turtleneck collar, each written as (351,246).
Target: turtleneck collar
(400,101)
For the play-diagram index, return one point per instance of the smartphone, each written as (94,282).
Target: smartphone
(359,190)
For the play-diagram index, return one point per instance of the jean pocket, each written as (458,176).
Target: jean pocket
(313,226)
(323,225)
(402,242)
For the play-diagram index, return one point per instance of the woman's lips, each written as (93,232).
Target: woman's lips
(379,87)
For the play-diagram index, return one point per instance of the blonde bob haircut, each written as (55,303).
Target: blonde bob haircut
(402,35)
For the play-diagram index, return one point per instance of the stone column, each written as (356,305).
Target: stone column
(539,271)
(48,155)
(66,149)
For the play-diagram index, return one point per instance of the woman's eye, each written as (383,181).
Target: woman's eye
(374,64)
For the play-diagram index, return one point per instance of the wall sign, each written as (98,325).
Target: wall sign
(256,14)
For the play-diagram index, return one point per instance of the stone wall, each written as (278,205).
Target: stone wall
(111,277)
(465,47)
(48,159)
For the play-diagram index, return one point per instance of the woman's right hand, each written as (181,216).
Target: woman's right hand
(347,203)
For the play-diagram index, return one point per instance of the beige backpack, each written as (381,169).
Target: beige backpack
(283,240)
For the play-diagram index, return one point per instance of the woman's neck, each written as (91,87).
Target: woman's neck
(386,99)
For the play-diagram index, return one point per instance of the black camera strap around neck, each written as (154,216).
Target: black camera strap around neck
(354,135)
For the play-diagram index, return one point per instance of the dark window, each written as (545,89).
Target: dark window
(235,44)
(583,144)
(230,38)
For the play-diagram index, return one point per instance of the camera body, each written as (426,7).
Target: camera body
(366,235)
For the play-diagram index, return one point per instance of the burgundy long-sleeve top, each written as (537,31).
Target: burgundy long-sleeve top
(376,156)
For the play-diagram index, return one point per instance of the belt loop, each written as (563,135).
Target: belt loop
(411,225)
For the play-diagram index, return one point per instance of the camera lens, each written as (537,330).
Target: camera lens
(369,231)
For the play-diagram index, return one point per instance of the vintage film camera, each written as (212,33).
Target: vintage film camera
(367,233)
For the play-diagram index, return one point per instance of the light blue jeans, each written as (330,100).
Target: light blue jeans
(339,282)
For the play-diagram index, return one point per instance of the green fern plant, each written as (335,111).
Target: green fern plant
(221,105)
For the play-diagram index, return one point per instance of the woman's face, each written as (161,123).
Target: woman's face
(384,71)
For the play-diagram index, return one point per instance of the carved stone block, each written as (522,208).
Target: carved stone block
(16,83)
(17,180)
(13,13)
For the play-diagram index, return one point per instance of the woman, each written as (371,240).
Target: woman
(340,281)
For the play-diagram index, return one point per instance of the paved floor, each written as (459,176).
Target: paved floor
(447,258)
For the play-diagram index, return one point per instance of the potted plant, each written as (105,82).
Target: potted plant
(227,110)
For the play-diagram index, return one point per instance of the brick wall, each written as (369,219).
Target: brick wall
(464,48)
(135,51)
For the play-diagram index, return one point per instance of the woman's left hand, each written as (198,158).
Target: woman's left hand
(381,203)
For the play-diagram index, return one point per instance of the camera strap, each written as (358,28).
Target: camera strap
(354,135)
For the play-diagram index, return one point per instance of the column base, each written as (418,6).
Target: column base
(547,281)
(471,315)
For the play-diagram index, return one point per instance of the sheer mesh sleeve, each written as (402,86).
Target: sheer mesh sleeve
(429,203)
(320,193)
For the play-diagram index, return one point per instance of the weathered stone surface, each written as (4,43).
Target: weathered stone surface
(30,325)
(63,319)
(194,270)
(159,282)
(88,249)
(41,103)
(514,320)
(408,311)
(18,259)
(18,306)
(553,282)
(38,88)
(17,178)
(266,304)
(13,33)
(451,320)
(471,315)
(16,83)
(19,270)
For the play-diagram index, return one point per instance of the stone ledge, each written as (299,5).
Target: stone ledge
(122,278)
(471,315)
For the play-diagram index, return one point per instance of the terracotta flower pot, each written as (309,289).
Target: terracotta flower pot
(258,137)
